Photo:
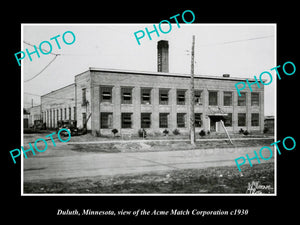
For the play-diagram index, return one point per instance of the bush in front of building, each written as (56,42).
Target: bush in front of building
(246,132)
(114,131)
(176,132)
(142,133)
(165,132)
(202,133)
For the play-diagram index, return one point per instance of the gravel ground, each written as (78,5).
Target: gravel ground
(197,181)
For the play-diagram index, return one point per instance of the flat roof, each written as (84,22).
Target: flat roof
(51,92)
(167,74)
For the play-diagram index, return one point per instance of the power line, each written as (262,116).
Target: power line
(234,41)
(40,48)
(45,66)
(41,70)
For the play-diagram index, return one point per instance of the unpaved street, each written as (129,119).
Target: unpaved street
(61,162)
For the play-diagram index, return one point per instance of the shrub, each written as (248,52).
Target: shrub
(176,132)
(202,133)
(114,131)
(246,132)
(241,131)
(84,130)
(166,132)
(266,129)
(142,133)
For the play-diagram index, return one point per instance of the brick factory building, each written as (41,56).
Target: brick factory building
(103,99)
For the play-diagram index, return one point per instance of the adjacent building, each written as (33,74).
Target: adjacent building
(103,99)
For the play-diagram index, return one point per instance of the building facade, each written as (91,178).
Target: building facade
(58,105)
(35,114)
(105,99)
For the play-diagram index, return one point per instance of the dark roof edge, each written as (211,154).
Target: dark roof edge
(168,74)
(51,92)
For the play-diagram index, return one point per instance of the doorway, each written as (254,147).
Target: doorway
(212,124)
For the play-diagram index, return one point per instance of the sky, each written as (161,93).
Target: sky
(241,50)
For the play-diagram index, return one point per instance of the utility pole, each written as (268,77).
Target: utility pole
(192,97)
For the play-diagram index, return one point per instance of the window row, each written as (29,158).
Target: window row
(181,98)
(106,120)
(127,120)
(60,114)
(242,119)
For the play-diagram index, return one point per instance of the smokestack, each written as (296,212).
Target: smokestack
(163,56)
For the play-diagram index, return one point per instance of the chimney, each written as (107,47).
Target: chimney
(163,56)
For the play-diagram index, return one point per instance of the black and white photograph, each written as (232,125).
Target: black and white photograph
(131,123)
(131,114)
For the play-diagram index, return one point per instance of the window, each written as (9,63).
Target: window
(57,115)
(145,120)
(105,94)
(242,99)
(106,120)
(198,100)
(146,95)
(70,113)
(227,98)
(50,118)
(65,113)
(61,114)
(198,120)
(181,97)
(254,99)
(163,120)
(126,120)
(163,97)
(53,118)
(254,119)
(126,95)
(228,120)
(74,108)
(241,119)
(181,119)
(83,97)
(213,98)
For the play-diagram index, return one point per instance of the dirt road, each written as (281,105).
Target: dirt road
(61,163)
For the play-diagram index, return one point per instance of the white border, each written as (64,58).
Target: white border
(105,24)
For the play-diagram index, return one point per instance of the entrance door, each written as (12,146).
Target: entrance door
(84,120)
(212,125)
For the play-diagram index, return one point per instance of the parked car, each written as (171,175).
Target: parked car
(39,125)
(71,125)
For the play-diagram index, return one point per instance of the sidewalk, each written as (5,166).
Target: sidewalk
(166,140)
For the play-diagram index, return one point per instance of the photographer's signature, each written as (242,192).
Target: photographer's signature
(256,188)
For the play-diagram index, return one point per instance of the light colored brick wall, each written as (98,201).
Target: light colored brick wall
(119,80)
(92,80)
(55,101)
(83,81)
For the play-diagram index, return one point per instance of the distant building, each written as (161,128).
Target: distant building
(58,105)
(104,99)
(26,115)
(269,124)
(35,114)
